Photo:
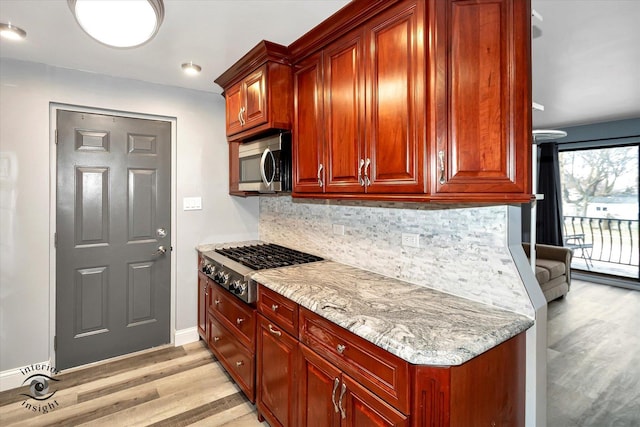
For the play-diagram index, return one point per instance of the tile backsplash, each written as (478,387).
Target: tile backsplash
(463,250)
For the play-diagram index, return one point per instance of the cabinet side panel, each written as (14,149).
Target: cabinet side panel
(490,389)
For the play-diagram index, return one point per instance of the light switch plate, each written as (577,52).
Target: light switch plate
(192,203)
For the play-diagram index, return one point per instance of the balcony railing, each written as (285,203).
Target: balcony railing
(604,245)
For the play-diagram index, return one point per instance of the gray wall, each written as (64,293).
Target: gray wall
(201,169)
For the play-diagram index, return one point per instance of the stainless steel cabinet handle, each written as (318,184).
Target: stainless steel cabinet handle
(241,117)
(367,163)
(273,331)
(320,183)
(160,251)
(336,382)
(441,159)
(340,348)
(275,307)
(361,173)
(239,321)
(342,411)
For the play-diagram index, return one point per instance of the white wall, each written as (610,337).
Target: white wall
(201,160)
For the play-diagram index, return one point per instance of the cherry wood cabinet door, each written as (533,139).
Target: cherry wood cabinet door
(203,293)
(362,408)
(319,390)
(344,101)
(395,159)
(483,85)
(255,95)
(234,103)
(307,149)
(277,354)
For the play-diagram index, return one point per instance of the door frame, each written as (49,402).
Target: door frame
(53,176)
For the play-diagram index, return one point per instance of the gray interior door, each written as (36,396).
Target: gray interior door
(113,220)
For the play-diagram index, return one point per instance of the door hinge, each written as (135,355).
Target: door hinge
(56,136)
(55,240)
(55,343)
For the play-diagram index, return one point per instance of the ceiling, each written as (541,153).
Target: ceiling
(586,61)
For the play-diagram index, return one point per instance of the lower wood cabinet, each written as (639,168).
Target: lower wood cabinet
(203,303)
(323,375)
(277,355)
(329,397)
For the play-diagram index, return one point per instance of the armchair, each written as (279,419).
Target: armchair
(553,269)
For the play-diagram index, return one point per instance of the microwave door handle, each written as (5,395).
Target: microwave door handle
(263,160)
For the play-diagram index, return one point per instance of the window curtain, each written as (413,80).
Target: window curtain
(549,210)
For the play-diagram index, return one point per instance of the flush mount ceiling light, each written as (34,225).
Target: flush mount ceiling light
(121,23)
(191,68)
(11,32)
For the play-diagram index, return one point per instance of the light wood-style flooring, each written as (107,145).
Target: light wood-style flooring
(593,377)
(593,357)
(171,386)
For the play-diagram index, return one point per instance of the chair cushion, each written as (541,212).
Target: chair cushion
(555,268)
(542,274)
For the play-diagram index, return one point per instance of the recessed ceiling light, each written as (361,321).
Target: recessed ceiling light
(191,68)
(11,32)
(122,23)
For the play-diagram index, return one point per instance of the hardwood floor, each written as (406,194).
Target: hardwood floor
(594,357)
(593,377)
(172,386)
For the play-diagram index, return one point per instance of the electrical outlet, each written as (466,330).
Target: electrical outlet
(411,239)
(338,229)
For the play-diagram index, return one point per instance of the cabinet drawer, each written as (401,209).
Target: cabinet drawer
(380,371)
(237,360)
(238,317)
(280,310)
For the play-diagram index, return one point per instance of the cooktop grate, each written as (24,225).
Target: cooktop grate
(268,255)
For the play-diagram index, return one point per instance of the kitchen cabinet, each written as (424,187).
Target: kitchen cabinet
(481,71)
(329,397)
(203,303)
(355,127)
(276,398)
(258,92)
(232,329)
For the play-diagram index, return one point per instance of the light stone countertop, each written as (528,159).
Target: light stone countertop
(418,324)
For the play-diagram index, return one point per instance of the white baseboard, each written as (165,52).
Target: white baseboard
(13,378)
(186,336)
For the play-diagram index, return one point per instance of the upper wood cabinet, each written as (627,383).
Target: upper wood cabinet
(481,146)
(258,92)
(355,124)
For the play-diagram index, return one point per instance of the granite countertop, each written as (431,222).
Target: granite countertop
(418,324)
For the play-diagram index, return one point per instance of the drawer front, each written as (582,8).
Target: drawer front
(237,316)
(380,371)
(278,309)
(236,359)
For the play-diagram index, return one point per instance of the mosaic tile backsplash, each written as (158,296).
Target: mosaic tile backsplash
(463,250)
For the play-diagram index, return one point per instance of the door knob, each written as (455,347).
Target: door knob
(161,251)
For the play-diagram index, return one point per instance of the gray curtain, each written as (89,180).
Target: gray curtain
(549,211)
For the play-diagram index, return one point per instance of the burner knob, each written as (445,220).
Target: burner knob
(224,278)
(241,288)
(207,268)
(234,286)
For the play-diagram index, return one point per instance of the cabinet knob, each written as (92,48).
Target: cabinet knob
(275,307)
(239,321)
(239,363)
(216,339)
(340,348)
(217,301)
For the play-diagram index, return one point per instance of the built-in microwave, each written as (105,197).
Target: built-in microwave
(265,164)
